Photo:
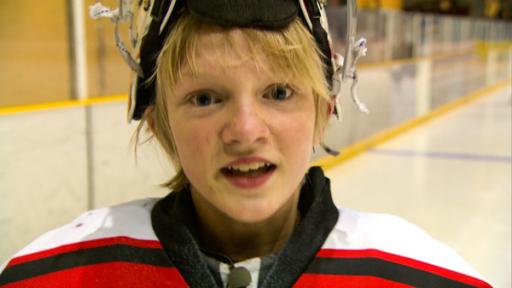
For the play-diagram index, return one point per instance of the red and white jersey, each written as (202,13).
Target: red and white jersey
(380,250)
(149,243)
(116,247)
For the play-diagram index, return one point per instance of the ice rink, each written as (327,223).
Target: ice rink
(450,176)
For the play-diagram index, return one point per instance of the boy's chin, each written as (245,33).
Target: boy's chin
(251,214)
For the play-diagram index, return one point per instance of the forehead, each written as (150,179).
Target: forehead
(217,49)
(212,42)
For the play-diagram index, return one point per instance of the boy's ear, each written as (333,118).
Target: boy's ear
(150,119)
(329,110)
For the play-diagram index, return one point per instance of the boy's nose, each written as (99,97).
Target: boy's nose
(246,126)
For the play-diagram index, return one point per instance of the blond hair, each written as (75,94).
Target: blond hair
(291,51)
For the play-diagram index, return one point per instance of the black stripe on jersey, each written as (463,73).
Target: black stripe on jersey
(382,269)
(82,257)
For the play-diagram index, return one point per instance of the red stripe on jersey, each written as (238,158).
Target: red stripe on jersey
(373,253)
(106,275)
(123,240)
(344,281)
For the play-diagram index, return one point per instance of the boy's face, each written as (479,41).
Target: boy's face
(244,138)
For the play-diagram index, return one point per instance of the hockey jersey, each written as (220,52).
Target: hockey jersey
(153,243)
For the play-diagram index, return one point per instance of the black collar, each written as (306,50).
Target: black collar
(174,222)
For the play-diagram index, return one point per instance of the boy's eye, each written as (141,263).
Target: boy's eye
(279,92)
(204,99)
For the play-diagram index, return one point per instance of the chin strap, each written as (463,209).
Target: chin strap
(122,14)
(359,49)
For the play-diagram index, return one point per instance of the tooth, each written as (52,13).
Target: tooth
(248,167)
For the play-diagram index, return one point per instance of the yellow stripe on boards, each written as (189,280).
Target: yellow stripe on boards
(114,98)
(381,137)
(380,4)
(484,47)
(391,4)
(61,104)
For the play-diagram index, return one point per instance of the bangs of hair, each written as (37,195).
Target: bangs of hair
(290,53)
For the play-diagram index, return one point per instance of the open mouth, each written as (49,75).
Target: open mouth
(248,170)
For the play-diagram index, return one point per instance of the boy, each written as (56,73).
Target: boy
(237,93)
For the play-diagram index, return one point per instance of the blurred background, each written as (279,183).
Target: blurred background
(66,147)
